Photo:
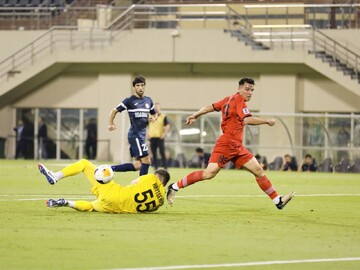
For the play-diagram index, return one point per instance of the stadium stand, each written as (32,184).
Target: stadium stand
(184,17)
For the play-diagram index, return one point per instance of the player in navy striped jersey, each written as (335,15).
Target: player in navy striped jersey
(141,110)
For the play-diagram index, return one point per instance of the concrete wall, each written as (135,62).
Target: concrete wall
(349,38)
(12,41)
(183,73)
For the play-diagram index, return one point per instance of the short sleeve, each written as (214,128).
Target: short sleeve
(218,105)
(123,105)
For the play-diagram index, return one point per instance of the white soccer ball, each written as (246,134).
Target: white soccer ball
(103,174)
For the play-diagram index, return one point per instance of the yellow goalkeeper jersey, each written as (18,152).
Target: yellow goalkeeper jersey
(145,196)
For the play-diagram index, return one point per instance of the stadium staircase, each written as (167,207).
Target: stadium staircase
(45,57)
(336,63)
(345,61)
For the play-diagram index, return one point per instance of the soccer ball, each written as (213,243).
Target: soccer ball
(103,174)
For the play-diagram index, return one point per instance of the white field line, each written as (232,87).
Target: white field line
(40,197)
(203,266)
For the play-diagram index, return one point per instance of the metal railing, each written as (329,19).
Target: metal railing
(77,37)
(166,16)
(340,53)
(283,36)
(318,15)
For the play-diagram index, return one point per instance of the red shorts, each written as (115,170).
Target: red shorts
(226,150)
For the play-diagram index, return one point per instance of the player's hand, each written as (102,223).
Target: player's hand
(270,122)
(111,127)
(190,120)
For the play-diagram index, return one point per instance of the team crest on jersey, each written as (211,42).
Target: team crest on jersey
(246,111)
(147,106)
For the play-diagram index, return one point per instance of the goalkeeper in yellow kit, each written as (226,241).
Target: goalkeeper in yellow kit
(144,194)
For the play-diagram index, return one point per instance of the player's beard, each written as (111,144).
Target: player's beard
(140,94)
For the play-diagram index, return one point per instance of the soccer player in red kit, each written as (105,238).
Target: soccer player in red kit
(229,147)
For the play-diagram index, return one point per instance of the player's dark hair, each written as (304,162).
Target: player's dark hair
(199,150)
(165,176)
(246,80)
(139,79)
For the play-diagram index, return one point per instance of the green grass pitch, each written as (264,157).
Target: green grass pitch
(224,223)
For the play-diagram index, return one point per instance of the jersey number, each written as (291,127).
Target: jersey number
(141,199)
(227,107)
(144,147)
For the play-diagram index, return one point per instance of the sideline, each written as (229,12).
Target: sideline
(203,266)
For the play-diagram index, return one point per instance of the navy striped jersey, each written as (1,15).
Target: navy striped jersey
(138,110)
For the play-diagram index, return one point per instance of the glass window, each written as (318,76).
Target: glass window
(340,134)
(24,133)
(69,133)
(47,142)
(90,133)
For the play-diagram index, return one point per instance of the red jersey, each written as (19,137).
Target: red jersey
(234,110)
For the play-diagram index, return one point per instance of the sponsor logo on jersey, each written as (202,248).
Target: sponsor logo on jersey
(158,193)
(141,114)
(147,106)
(246,111)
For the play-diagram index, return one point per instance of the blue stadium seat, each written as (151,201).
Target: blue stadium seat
(22,3)
(34,3)
(57,3)
(11,3)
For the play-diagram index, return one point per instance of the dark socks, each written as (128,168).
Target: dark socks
(126,167)
(144,169)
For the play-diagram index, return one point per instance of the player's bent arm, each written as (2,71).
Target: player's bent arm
(153,118)
(254,121)
(111,119)
(204,110)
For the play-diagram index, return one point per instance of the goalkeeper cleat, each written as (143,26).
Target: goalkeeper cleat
(284,200)
(56,203)
(170,195)
(48,174)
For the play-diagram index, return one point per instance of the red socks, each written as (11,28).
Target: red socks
(190,179)
(265,184)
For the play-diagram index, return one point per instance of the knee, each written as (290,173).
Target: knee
(84,161)
(207,175)
(258,172)
(137,165)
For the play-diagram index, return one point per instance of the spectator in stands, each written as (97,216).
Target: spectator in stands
(42,139)
(308,164)
(91,139)
(289,163)
(200,159)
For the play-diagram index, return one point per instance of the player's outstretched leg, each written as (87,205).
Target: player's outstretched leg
(284,200)
(188,180)
(50,177)
(56,203)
